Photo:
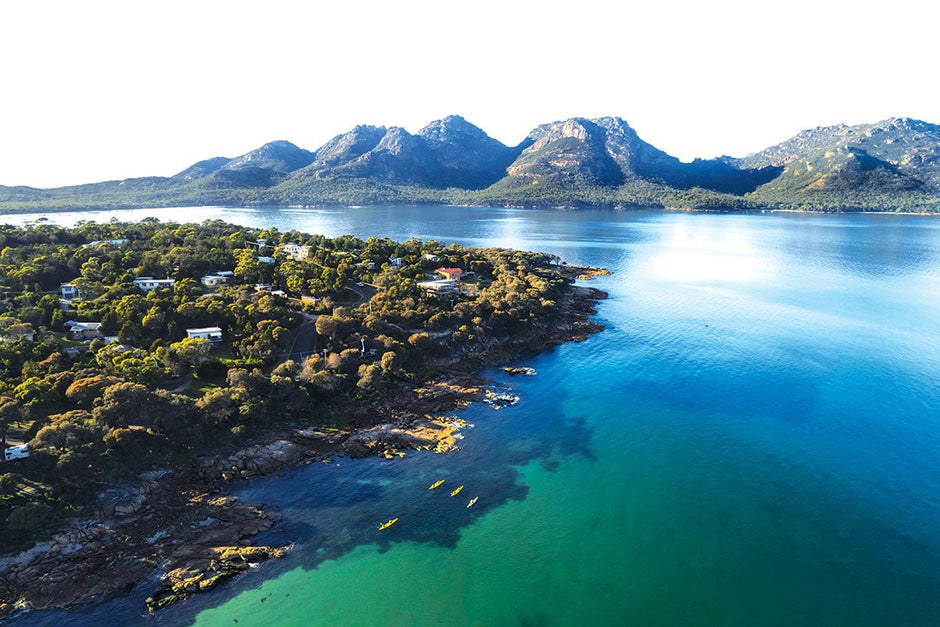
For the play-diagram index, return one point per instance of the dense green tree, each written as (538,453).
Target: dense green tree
(390,362)
(190,351)
(11,412)
(36,391)
(123,404)
(85,391)
(369,376)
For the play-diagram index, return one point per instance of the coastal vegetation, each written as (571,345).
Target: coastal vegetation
(103,380)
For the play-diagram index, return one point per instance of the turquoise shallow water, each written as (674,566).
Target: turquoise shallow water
(754,440)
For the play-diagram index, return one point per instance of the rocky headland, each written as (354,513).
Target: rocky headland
(183,523)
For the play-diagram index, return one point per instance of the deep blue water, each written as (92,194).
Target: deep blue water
(754,439)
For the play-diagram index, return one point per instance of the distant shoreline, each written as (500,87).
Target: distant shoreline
(566,164)
(637,208)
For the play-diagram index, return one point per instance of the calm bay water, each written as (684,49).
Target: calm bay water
(754,440)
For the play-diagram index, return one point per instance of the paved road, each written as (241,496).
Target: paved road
(305,339)
(364,292)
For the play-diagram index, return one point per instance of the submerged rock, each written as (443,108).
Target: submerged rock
(499,400)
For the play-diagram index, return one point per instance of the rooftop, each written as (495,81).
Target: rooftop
(205,330)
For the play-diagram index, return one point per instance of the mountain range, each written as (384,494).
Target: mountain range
(890,165)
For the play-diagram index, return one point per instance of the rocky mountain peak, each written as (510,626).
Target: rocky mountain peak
(349,145)
(614,125)
(579,158)
(580,129)
(396,140)
(451,128)
(280,156)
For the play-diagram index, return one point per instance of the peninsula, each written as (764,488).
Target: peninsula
(144,365)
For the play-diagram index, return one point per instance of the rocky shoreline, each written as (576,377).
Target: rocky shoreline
(181,521)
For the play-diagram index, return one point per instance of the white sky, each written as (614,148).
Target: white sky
(108,90)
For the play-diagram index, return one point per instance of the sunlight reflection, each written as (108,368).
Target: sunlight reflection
(696,255)
(510,232)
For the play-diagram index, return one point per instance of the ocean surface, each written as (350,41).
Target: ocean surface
(753,440)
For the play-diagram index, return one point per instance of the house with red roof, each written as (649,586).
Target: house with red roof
(453,274)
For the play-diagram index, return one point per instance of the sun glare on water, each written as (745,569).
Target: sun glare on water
(709,256)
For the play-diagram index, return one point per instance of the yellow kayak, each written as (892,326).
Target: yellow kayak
(472,501)
(456,492)
(385,526)
(436,484)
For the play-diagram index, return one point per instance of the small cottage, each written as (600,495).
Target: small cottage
(148,283)
(296,251)
(213,334)
(216,279)
(84,330)
(450,273)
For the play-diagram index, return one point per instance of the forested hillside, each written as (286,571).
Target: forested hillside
(893,165)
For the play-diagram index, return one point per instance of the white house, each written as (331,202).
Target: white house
(430,257)
(211,280)
(213,334)
(20,451)
(296,251)
(216,279)
(441,287)
(266,259)
(147,283)
(98,243)
(395,261)
(69,291)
